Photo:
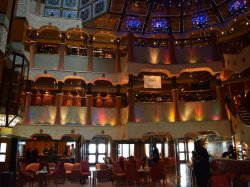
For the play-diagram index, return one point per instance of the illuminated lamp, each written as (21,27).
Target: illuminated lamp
(15,73)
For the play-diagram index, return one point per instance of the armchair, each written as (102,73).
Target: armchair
(103,172)
(84,171)
(26,176)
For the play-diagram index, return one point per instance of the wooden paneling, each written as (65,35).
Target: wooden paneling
(19,31)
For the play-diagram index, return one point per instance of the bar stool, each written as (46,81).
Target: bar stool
(231,177)
(245,179)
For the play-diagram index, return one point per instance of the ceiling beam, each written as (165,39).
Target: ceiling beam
(150,7)
(124,8)
(217,12)
(181,19)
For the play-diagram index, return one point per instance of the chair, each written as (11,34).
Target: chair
(32,168)
(245,179)
(26,176)
(118,173)
(68,168)
(103,172)
(158,172)
(61,173)
(131,173)
(54,175)
(75,172)
(84,171)
(220,181)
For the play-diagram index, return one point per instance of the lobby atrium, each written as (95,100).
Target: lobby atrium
(113,77)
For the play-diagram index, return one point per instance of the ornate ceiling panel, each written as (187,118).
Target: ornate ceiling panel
(153,16)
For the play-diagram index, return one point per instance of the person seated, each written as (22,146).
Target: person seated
(108,161)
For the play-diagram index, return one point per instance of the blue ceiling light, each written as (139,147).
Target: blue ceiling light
(200,21)
(237,7)
(133,24)
(159,25)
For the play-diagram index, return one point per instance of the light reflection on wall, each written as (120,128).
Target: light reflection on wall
(171,116)
(192,56)
(217,116)
(44,114)
(199,113)
(73,114)
(103,116)
(186,110)
(154,55)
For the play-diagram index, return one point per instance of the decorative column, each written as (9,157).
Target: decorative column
(38,6)
(171,57)
(89,104)
(90,54)
(32,53)
(216,55)
(26,118)
(131,107)
(130,55)
(62,48)
(118,104)
(118,57)
(59,98)
(175,95)
(221,101)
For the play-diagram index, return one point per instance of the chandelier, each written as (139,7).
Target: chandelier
(200,21)
(15,72)
(159,25)
(237,7)
(133,24)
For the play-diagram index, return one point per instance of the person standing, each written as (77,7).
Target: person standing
(34,155)
(201,164)
(28,155)
(72,154)
(155,157)
(51,153)
(45,149)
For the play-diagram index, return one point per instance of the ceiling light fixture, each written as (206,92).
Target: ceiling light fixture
(200,21)
(133,24)
(159,25)
(237,7)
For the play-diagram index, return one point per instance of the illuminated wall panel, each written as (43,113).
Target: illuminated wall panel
(124,115)
(145,112)
(165,112)
(199,111)
(44,114)
(73,115)
(103,116)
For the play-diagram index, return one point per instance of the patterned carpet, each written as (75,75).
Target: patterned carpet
(103,184)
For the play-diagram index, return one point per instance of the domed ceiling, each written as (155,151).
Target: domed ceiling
(160,16)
